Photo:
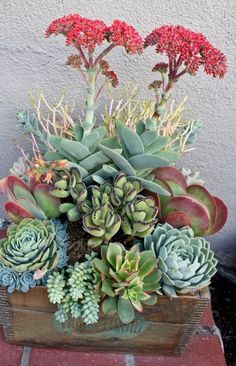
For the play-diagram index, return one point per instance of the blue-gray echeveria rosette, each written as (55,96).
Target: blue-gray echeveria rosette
(186,262)
(14,280)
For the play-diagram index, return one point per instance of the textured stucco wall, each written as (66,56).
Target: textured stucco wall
(28,61)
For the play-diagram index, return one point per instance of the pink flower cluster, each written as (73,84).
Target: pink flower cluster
(188,48)
(79,31)
(88,33)
(123,34)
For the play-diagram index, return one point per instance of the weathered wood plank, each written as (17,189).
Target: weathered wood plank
(161,329)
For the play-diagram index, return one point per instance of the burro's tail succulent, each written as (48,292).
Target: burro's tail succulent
(32,200)
(30,246)
(126,280)
(189,205)
(185,262)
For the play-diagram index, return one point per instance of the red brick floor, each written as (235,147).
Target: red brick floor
(204,350)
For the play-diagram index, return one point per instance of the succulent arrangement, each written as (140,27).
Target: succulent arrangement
(98,214)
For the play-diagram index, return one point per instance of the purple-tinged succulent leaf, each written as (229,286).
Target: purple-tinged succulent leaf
(197,212)
(177,219)
(176,188)
(48,203)
(170,173)
(16,212)
(32,207)
(221,216)
(206,198)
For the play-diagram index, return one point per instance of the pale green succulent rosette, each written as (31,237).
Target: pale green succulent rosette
(126,280)
(185,262)
(29,246)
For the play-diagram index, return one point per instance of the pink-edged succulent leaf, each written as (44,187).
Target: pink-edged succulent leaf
(48,203)
(206,198)
(163,200)
(176,188)
(33,208)
(16,212)
(197,212)
(12,181)
(177,219)
(170,173)
(221,216)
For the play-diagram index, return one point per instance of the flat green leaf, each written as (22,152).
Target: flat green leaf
(109,306)
(111,142)
(157,145)
(99,265)
(56,142)
(146,161)
(149,137)
(125,310)
(132,142)
(91,141)
(48,203)
(119,160)
(94,161)
(169,155)
(75,148)
(107,288)
(79,132)
(32,208)
(151,301)
(53,155)
(113,251)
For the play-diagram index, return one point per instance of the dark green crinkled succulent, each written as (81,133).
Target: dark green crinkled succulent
(29,246)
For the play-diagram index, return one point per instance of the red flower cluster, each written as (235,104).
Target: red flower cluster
(192,49)
(88,33)
(123,34)
(79,31)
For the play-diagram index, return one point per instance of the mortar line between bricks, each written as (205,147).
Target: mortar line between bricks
(25,356)
(129,360)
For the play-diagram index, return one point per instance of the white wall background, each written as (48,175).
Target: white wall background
(28,61)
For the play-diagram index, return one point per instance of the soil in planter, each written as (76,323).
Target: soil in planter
(223,292)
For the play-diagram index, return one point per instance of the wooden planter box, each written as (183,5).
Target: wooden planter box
(166,328)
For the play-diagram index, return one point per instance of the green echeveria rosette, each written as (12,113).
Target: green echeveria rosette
(23,281)
(126,280)
(29,246)
(186,262)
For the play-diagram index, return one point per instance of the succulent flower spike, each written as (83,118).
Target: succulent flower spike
(186,51)
(29,246)
(126,280)
(189,205)
(185,262)
(102,223)
(25,201)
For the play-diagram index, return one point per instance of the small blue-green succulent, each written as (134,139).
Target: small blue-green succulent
(74,293)
(186,262)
